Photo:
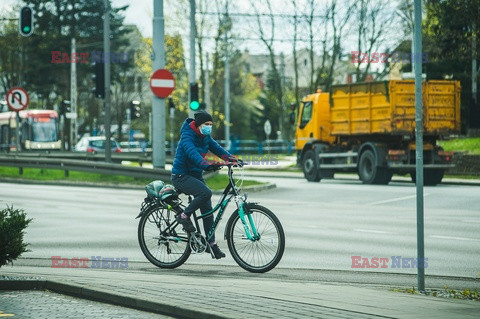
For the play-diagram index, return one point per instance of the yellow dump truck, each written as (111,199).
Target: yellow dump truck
(369,128)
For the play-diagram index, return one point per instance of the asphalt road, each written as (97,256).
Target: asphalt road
(325,223)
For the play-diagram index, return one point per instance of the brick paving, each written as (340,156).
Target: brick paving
(49,305)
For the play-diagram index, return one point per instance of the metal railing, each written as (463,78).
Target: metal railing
(83,166)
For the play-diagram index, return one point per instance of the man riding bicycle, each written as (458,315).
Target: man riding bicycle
(187,172)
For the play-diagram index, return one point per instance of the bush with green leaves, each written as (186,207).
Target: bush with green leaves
(12,225)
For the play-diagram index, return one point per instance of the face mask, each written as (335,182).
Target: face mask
(206,129)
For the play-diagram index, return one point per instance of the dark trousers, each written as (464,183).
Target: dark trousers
(202,197)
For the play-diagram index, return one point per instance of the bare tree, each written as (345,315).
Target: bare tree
(332,46)
(373,20)
(277,87)
(294,47)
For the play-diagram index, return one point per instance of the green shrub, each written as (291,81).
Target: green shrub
(12,225)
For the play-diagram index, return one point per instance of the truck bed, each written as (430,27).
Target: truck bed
(389,107)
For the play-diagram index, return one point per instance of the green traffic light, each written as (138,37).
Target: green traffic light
(26,29)
(194,105)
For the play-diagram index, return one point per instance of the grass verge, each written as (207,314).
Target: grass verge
(470,145)
(465,294)
(217,182)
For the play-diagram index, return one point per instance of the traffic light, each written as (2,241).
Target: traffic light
(135,110)
(64,107)
(99,78)
(194,104)
(171,105)
(26,21)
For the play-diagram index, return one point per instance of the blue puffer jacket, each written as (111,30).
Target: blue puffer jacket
(192,146)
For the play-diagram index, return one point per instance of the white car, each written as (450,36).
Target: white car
(96,144)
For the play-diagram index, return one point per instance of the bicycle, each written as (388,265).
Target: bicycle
(254,234)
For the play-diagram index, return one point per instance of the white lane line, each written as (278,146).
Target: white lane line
(372,231)
(471,220)
(454,238)
(396,199)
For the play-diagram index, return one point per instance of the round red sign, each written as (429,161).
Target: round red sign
(17,99)
(162,83)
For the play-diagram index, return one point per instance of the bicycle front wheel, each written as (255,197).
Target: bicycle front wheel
(164,246)
(262,254)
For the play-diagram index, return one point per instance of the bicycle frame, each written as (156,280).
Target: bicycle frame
(229,192)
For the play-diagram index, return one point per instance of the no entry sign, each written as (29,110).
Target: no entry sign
(162,83)
(17,99)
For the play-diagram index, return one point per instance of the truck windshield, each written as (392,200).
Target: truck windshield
(44,131)
(306,114)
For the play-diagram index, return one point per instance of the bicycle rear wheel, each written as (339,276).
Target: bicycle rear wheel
(260,255)
(163,245)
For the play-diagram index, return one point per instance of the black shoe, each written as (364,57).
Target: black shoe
(217,253)
(186,223)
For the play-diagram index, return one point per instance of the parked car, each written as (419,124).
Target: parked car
(96,144)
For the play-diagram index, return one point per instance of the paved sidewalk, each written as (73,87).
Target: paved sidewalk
(196,295)
(50,305)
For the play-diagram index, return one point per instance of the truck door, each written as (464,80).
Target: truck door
(304,131)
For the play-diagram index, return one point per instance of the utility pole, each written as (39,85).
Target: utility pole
(158,104)
(192,78)
(282,84)
(227,25)
(474,64)
(106,52)
(73,99)
(419,142)
(208,101)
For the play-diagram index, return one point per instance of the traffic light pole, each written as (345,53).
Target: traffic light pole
(227,87)
(106,49)
(158,105)
(192,78)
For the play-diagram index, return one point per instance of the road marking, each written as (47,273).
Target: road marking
(396,199)
(454,238)
(372,231)
(471,220)
(2,314)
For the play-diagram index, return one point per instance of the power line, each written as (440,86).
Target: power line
(259,39)
(254,15)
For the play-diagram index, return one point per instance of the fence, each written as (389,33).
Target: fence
(83,166)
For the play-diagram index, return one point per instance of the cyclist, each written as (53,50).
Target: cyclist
(188,166)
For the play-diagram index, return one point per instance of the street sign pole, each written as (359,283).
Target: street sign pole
(419,142)
(158,104)
(17,131)
(106,46)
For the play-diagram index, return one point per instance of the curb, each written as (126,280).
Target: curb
(253,188)
(68,183)
(290,175)
(108,297)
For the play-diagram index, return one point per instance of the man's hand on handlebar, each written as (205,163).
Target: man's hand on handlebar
(237,162)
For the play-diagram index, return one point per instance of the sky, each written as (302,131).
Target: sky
(140,13)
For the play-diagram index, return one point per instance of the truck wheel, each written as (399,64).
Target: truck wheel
(310,167)
(370,173)
(431,177)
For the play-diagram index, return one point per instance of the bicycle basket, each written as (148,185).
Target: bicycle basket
(160,190)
